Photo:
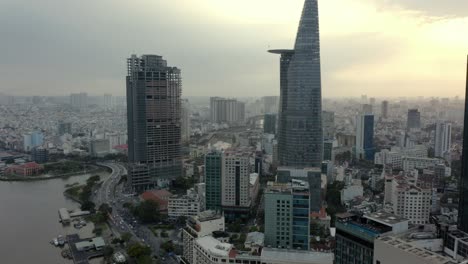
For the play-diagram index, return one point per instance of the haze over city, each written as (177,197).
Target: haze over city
(380,48)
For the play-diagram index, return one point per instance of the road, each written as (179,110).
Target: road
(121,220)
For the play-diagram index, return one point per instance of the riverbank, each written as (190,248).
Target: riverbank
(93,170)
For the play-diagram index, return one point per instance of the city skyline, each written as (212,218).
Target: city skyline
(411,47)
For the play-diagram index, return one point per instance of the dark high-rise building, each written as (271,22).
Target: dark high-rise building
(269,124)
(365,137)
(463,202)
(154,122)
(384,109)
(414,119)
(39,155)
(213,179)
(300,141)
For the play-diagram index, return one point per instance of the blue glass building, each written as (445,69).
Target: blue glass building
(287,223)
(365,137)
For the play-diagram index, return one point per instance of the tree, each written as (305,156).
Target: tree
(105,209)
(181,220)
(144,260)
(93,179)
(97,231)
(167,246)
(147,212)
(137,250)
(88,206)
(107,252)
(126,237)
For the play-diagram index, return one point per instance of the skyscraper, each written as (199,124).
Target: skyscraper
(443,138)
(385,109)
(365,137)
(300,142)
(463,202)
(414,119)
(154,122)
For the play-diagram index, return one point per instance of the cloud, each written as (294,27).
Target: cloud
(438,8)
(57,47)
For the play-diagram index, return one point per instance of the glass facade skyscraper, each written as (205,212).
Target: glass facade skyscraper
(463,203)
(300,140)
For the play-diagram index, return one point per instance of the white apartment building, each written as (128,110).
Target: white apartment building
(395,156)
(204,224)
(190,204)
(408,200)
(411,163)
(235,190)
(208,250)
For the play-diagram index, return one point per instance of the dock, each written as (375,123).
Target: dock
(66,215)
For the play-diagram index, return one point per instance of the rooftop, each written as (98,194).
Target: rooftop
(207,216)
(255,238)
(431,257)
(385,218)
(273,255)
(214,246)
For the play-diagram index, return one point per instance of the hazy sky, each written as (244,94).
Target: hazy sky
(374,47)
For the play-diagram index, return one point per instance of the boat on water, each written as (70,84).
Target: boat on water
(61,240)
(58,241)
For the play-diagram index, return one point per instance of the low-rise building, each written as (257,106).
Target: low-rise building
(209,250)
(411,163)
(190,204)
(96,243)
(254,241)
(27,169)
(159,196)
(352,191)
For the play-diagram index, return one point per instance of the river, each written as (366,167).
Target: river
(29,220)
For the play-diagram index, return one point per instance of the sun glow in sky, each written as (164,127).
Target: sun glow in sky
(374,47)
